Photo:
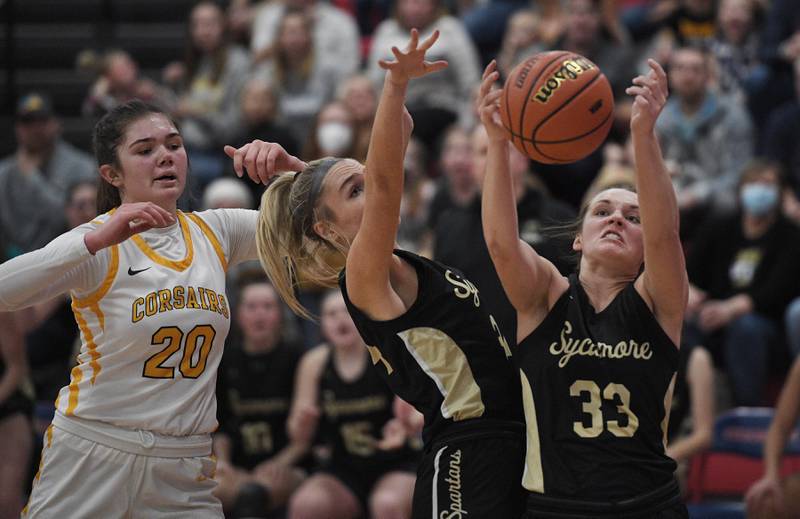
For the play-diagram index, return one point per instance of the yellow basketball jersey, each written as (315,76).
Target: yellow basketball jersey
(153,332)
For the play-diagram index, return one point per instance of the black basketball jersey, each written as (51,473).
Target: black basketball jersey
(353,415)
(445,355)
(595,389)
(254,394)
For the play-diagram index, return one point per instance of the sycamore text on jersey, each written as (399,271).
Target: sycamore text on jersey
(568,347)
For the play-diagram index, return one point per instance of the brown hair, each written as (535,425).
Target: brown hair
(290,250)
(756,167)
(194,55)
(281,62)
(107,135)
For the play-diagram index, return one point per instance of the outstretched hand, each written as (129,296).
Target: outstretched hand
(489,103)
(410,63)
(262,160)
(127,220)
(650,93)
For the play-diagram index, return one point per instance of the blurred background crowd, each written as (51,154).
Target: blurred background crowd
(304,73)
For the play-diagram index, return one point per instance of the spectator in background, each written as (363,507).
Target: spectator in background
(735,48)
(256,464)
(259,111)
(742,269)
(333,134)
(770,496)
(358,93)
(118,81)
(34,180)
(208,84)
(459,241)
(685,22)
(418,191)
(709,137)
(334,33)
(342,400)
(521,40)
(15,418)
(227,193)
(780,48)
(781,138)
(456,186)
(434,101)
(304,77)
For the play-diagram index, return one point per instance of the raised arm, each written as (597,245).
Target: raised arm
(526,276)
(304,415)
(664,282)
(371,251)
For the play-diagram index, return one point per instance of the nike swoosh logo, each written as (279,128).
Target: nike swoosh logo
(132,272)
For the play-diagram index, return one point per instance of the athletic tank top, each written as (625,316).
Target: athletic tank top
(445,356)
(353,416)
(595,391)
(152,333)
(255,393)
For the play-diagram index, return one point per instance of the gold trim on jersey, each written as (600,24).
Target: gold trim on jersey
(179,265)
(94,298)
(88,338)
(212,238)
(533,475)
(667,407)
(441,358)
(76,375)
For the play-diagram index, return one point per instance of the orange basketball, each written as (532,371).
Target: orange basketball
(557,106)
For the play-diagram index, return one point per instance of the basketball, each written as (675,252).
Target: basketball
(557,107)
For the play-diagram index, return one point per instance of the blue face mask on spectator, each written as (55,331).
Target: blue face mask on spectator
(759,199)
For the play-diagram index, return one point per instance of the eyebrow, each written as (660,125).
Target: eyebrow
(348,180)
(151,139)
(608,202)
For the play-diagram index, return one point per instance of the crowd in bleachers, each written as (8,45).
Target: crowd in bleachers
(305,74)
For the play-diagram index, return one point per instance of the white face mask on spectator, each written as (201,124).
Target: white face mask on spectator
(334,138)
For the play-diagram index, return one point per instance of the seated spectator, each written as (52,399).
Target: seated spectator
(341,399)
(735,48)
(456,186)
(335,34)
(709,137)
(305,80)
(418,191)
(781,136)
(34,180)
(358,93)
(117,82)
(686,22)
(16,407)
(333,134)
(435,100)
(691,415)
(259,120)
(771,496)
(208,84)
(742,273)
(458,237)
(227,193)
(256,464)
(522,39)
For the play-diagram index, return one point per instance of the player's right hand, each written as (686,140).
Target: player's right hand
(127,220)
(262,160)
(489,104)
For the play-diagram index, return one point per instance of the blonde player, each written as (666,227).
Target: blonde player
(130,436)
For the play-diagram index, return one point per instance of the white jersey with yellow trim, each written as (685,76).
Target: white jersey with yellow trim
(153,316)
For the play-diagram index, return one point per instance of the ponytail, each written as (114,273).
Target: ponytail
(289,250)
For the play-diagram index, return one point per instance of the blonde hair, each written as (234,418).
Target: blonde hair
(290,251)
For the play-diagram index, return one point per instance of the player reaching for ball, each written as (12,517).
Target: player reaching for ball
(428,331)
(597,350)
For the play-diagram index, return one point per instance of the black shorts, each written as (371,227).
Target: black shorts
(663,503)
(361,478)
(473,477)
(16,403)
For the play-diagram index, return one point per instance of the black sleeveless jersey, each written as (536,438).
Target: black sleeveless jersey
(254,393)
(595,387)
(445,355)
(353,415)
(681,398)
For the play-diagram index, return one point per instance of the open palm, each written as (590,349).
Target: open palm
(410,63)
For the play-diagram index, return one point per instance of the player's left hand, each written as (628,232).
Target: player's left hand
(410,63)
(262,160)
(650,95)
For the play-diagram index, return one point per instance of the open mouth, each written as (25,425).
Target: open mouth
(167,177)
(612,234)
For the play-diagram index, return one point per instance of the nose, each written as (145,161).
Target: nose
(616,217)
(167,157)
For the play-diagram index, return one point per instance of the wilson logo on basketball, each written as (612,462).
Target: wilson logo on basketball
(569,70)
